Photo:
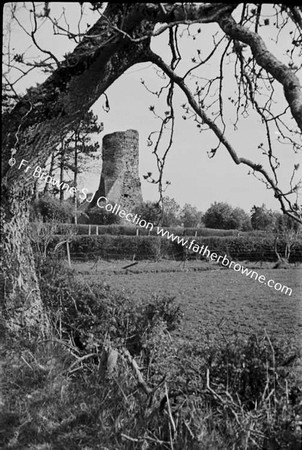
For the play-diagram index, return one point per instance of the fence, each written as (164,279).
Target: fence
(155,247)
(113,242)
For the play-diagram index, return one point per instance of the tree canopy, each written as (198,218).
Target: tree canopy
(224,216)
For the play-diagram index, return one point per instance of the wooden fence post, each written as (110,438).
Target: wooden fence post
(68,253)
(89,230)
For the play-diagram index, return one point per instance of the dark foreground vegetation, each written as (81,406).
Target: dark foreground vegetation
(113,376)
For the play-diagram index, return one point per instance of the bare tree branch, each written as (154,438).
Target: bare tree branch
(221,136)
(285,75)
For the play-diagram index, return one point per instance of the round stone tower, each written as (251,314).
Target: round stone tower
(120,181)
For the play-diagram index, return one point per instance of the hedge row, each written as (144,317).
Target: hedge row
(126,230)
(150,247)
(252,248)
(115,247)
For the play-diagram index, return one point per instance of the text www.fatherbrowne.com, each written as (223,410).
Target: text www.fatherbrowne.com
(204,251)
(192,245)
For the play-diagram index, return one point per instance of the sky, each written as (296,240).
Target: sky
(194,177)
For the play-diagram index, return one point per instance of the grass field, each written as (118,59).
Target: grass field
(216,302)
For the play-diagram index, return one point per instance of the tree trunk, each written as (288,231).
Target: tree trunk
(75,182)
(50,173)
(22,308)
(34,128)
(282,262)
(75,173)
(36,190)
(62,161)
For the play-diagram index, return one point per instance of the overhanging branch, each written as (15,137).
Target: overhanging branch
(282,73)
(179,81)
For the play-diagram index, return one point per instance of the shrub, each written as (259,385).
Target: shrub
(149,211)
(51,208)
(209,232)
(99,216)
(96,312)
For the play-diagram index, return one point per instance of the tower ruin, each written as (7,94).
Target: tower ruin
(120,181)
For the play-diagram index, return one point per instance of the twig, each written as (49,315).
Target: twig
(170,415)
(129,438)
(138,373)
(130,265)
(79,360)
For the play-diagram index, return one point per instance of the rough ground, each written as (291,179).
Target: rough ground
(215,301)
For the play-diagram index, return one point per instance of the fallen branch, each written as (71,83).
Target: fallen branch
(130,265)
(137,372)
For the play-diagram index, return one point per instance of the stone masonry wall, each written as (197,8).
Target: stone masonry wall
(120,181)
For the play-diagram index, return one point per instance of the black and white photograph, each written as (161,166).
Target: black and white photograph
(151,226)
